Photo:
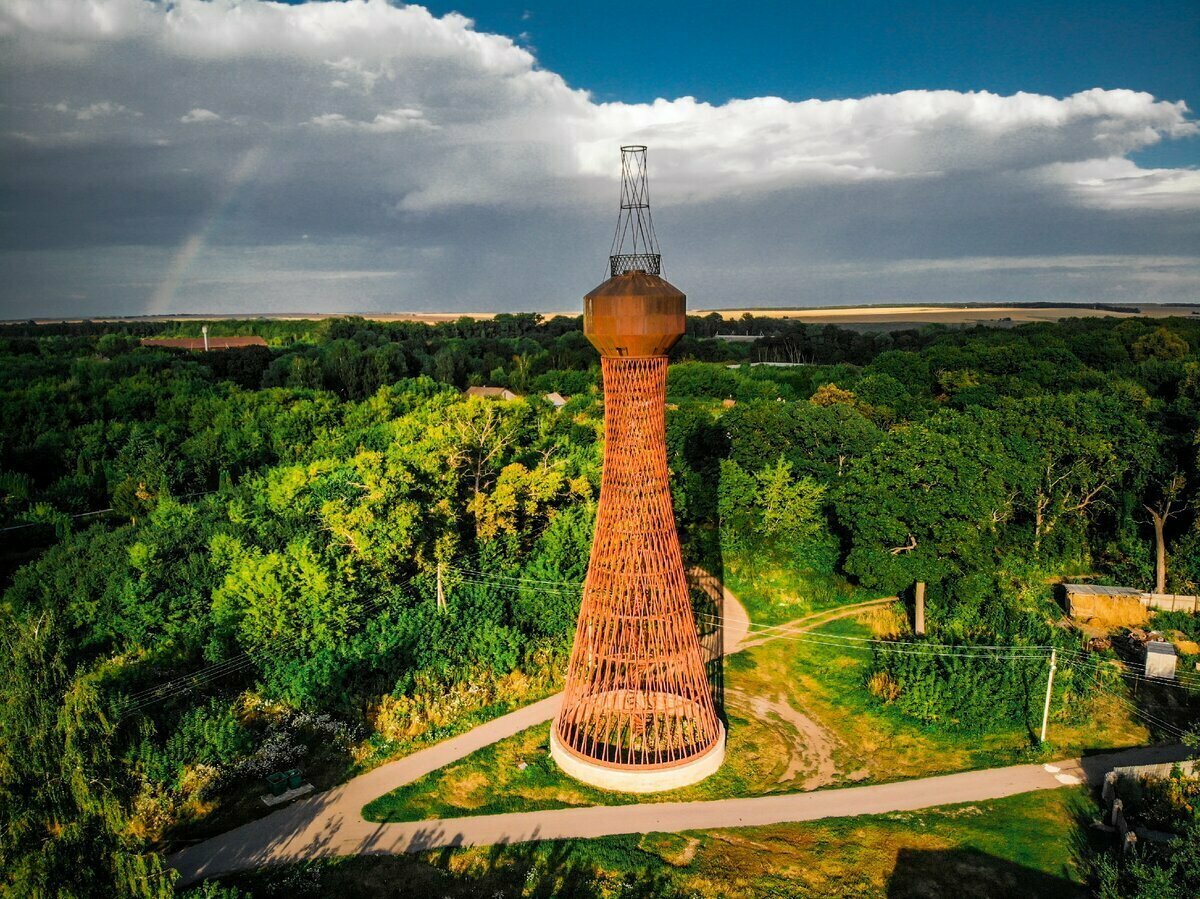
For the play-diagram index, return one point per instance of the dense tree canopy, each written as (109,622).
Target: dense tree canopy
(284,513)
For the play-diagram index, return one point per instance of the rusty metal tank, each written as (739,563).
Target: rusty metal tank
(634,314)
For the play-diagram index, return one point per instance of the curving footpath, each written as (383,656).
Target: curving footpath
(331,823)
(323,832)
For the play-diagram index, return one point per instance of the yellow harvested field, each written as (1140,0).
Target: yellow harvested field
(949,315)
(839,315)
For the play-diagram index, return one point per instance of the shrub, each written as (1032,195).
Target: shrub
(959,692)
(882,685)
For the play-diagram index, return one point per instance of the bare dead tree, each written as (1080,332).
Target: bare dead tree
(1167,505)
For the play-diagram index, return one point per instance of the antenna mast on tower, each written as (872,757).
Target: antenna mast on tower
(635,224)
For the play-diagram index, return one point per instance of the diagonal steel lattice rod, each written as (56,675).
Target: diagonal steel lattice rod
(634,244)
(637,694)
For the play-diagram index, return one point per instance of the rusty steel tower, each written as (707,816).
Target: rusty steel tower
(638,712)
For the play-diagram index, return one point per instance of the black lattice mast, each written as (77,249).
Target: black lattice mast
(635,224)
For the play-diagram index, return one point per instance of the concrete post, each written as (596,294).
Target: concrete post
(1049,687)
(919,614)
(1109,791)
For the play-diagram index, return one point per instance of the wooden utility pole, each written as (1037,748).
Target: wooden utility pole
(1049,686)
(441,593)
(919,613)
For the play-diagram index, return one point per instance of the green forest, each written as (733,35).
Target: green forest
(220,565)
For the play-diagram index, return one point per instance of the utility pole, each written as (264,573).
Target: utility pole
(441,594)
(919,613)
(1049,685)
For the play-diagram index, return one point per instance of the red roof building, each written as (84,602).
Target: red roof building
(197,343)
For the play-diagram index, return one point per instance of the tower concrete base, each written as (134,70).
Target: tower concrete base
(635,780)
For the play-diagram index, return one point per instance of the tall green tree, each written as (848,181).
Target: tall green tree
(63,826)
(921,506)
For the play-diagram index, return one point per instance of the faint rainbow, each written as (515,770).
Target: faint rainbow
(194,244)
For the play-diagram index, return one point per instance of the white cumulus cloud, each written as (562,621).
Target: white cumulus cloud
(447,156)
(390,122)
(192,116)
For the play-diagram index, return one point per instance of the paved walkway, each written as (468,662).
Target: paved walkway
(331,823)
(326,830)
(334,818)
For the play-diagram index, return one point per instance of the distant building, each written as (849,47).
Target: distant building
(556,399)
(738,338)
(197,343)
(771,364)
(1160,659)
(492,393)
(1123,605)
(1111,605)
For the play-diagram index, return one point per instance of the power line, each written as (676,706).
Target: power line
(476,577)
(1007,652)
(964,651)
(34,524)
(481,583)
(186,683)
(1094,672)
(772,631)
(1141,713)
(1119,669)
(475,573)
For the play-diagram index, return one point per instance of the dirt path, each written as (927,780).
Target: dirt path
(810,622)
(324,819)
(812,751)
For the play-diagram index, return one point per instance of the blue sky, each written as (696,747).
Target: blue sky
(358,156)
(639,51)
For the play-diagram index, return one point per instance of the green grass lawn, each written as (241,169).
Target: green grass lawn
(1021,845)
(775,594)
(517,774)
(879,744)
(872,744)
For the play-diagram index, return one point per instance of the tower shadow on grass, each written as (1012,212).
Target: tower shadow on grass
(565,869)
(708,604)
(968,872)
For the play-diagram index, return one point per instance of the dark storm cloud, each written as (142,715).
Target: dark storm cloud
(359,156)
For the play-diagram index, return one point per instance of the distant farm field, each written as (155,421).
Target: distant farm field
(860,317)
(902,316)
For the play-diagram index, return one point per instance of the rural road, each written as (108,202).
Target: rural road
(331,823)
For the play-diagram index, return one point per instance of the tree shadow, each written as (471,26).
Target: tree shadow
(1089,839)
(966,871)
(708,604)
(572,869)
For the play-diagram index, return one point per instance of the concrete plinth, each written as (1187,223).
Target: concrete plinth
(638,780)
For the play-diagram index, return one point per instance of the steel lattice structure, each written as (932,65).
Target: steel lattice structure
(637,696)
(634,222)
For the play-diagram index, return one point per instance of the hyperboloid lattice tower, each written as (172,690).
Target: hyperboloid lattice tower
(638,712)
